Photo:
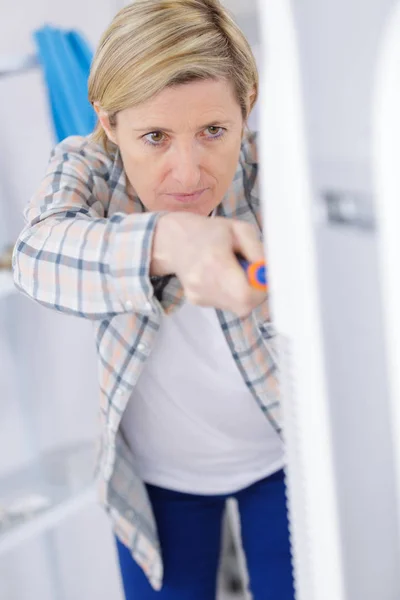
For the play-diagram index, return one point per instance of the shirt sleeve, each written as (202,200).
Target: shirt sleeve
(249,163)
(70,256)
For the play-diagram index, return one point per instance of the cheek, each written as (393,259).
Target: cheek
(220,164)
(226,157)
(226,171)
(145,180)
(138,166)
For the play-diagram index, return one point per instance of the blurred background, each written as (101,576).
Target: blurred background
(48,371)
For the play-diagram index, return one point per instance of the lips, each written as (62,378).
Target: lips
(187,198)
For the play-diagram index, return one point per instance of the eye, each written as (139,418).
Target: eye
(155,138)
(215,131)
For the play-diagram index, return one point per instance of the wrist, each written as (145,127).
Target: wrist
(167,237)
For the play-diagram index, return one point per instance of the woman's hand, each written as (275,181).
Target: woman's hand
(201,252)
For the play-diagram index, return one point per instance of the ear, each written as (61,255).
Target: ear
(250,101)
(105,122)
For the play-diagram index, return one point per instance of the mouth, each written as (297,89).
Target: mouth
(187,198)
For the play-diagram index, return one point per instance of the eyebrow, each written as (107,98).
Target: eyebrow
(210,124)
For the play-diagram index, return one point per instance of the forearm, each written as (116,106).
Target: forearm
(92,268)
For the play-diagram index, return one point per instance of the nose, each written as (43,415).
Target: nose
(185,167)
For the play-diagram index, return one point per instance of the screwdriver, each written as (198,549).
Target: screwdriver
(256,273)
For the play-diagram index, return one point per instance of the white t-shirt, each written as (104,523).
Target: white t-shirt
(191,423)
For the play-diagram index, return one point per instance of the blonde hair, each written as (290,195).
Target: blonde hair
(153,44)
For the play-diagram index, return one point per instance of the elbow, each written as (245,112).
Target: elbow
(20,269)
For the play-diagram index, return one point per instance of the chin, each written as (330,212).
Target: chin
(203,211)
(196,209)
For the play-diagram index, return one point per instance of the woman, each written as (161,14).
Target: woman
(138,227)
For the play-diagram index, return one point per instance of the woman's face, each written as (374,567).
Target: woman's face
(180,149)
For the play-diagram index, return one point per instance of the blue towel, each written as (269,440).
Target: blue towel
(65,58)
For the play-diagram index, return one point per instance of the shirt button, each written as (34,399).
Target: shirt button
(141,347)
(148,306)
(128,305)
(119,391)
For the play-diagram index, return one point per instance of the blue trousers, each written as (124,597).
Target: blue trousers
(189,528)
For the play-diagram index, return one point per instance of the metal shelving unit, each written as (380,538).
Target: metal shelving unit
(13,65)
(38,496)
(7,286)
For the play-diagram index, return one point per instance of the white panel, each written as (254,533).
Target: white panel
(387,182)
(291,256)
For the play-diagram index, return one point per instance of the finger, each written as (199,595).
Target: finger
(236,290)
(246,241)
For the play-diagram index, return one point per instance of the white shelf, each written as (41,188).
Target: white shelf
(11,65)
(64,480)
(7,286)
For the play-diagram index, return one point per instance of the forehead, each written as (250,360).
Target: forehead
(191,102)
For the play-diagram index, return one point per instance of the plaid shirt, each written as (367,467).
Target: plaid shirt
(85,251)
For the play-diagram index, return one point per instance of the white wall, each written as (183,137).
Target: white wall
(338,44)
